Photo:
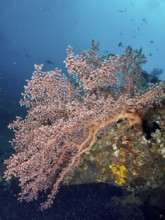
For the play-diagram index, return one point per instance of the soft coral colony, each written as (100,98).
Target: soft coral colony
(64,117)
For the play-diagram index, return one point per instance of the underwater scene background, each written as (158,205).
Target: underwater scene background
(122,174)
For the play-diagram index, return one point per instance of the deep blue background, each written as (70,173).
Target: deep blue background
(33,31)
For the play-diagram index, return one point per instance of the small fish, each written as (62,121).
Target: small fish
(157,71)
(111,55)
(132,4)
(27,55)
(144,20)
(122,10)
(151,41)
(120,44)
(49,62)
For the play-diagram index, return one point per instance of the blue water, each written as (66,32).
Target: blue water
(39,31)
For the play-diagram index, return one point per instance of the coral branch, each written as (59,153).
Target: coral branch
(64,118)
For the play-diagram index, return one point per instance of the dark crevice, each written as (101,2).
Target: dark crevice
(148,129)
